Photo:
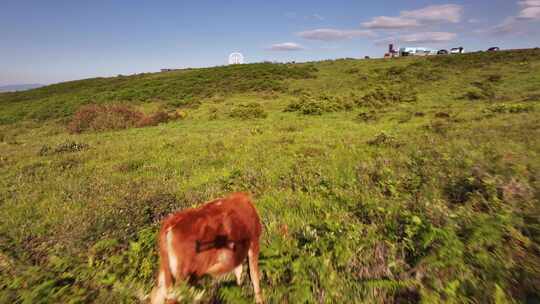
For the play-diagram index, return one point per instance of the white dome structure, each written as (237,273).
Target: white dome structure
(236,58)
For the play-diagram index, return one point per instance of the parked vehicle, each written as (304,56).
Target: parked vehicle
(442,52)
(416,51)
(494,49)
(458,50)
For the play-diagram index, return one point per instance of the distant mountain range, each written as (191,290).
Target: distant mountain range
(20,87)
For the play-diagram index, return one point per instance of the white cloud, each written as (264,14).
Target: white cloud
(510,26)
(384,22)
(317,17)
(408,19)
(519,24)
(436,13)
(330,47)
(532,12)
(423,37)
(528,3)
(428,37)
(334,34)
(286,46)
(296,16)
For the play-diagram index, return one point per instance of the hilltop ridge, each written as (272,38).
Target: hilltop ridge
(191,87)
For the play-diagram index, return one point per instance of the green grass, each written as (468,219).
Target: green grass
(415,181)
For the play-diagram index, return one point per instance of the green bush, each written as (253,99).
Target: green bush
(368,116)
(99,118)
(317,105)
(510,108)
(384,96)
(248,111)
(481,90)
(384,139)
(66,147)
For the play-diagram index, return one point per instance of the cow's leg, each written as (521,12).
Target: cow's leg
(165,281)
(159,293)
(253,257)
(168,270)
(238,274)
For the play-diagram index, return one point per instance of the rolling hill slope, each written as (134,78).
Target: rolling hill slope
(401,181)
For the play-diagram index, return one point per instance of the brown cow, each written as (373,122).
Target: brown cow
(214,239)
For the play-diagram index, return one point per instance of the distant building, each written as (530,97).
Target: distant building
(168,70)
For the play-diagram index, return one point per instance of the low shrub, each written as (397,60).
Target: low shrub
(130,166)
(384,139)
(442,115)
(383,96)
(70,146)
(474,94)
(416,72)
(438,126)
(494,77)
(67,147)
(352,71)
(367,116)
(405,117)
(100,118)
(510,108)
(104,117)
(480,91)
(213,112)
(248,111)
(305,107)
(317,105)
(68,163)
(430,75)
(154,119)
(532,97)
(396,71)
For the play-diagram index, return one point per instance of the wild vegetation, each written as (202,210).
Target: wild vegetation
(115,117)
(416,181)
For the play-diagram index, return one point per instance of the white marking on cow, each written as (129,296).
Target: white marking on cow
(223,256)
(161,278)
(223,261)
(173,260)
(238,274)
(160,293)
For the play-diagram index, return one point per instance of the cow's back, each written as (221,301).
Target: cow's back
(214,237)
(242,205)
(238,206)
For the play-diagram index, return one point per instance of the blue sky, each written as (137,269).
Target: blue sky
(57,40)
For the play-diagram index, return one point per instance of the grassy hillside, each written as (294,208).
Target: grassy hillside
(413,180)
